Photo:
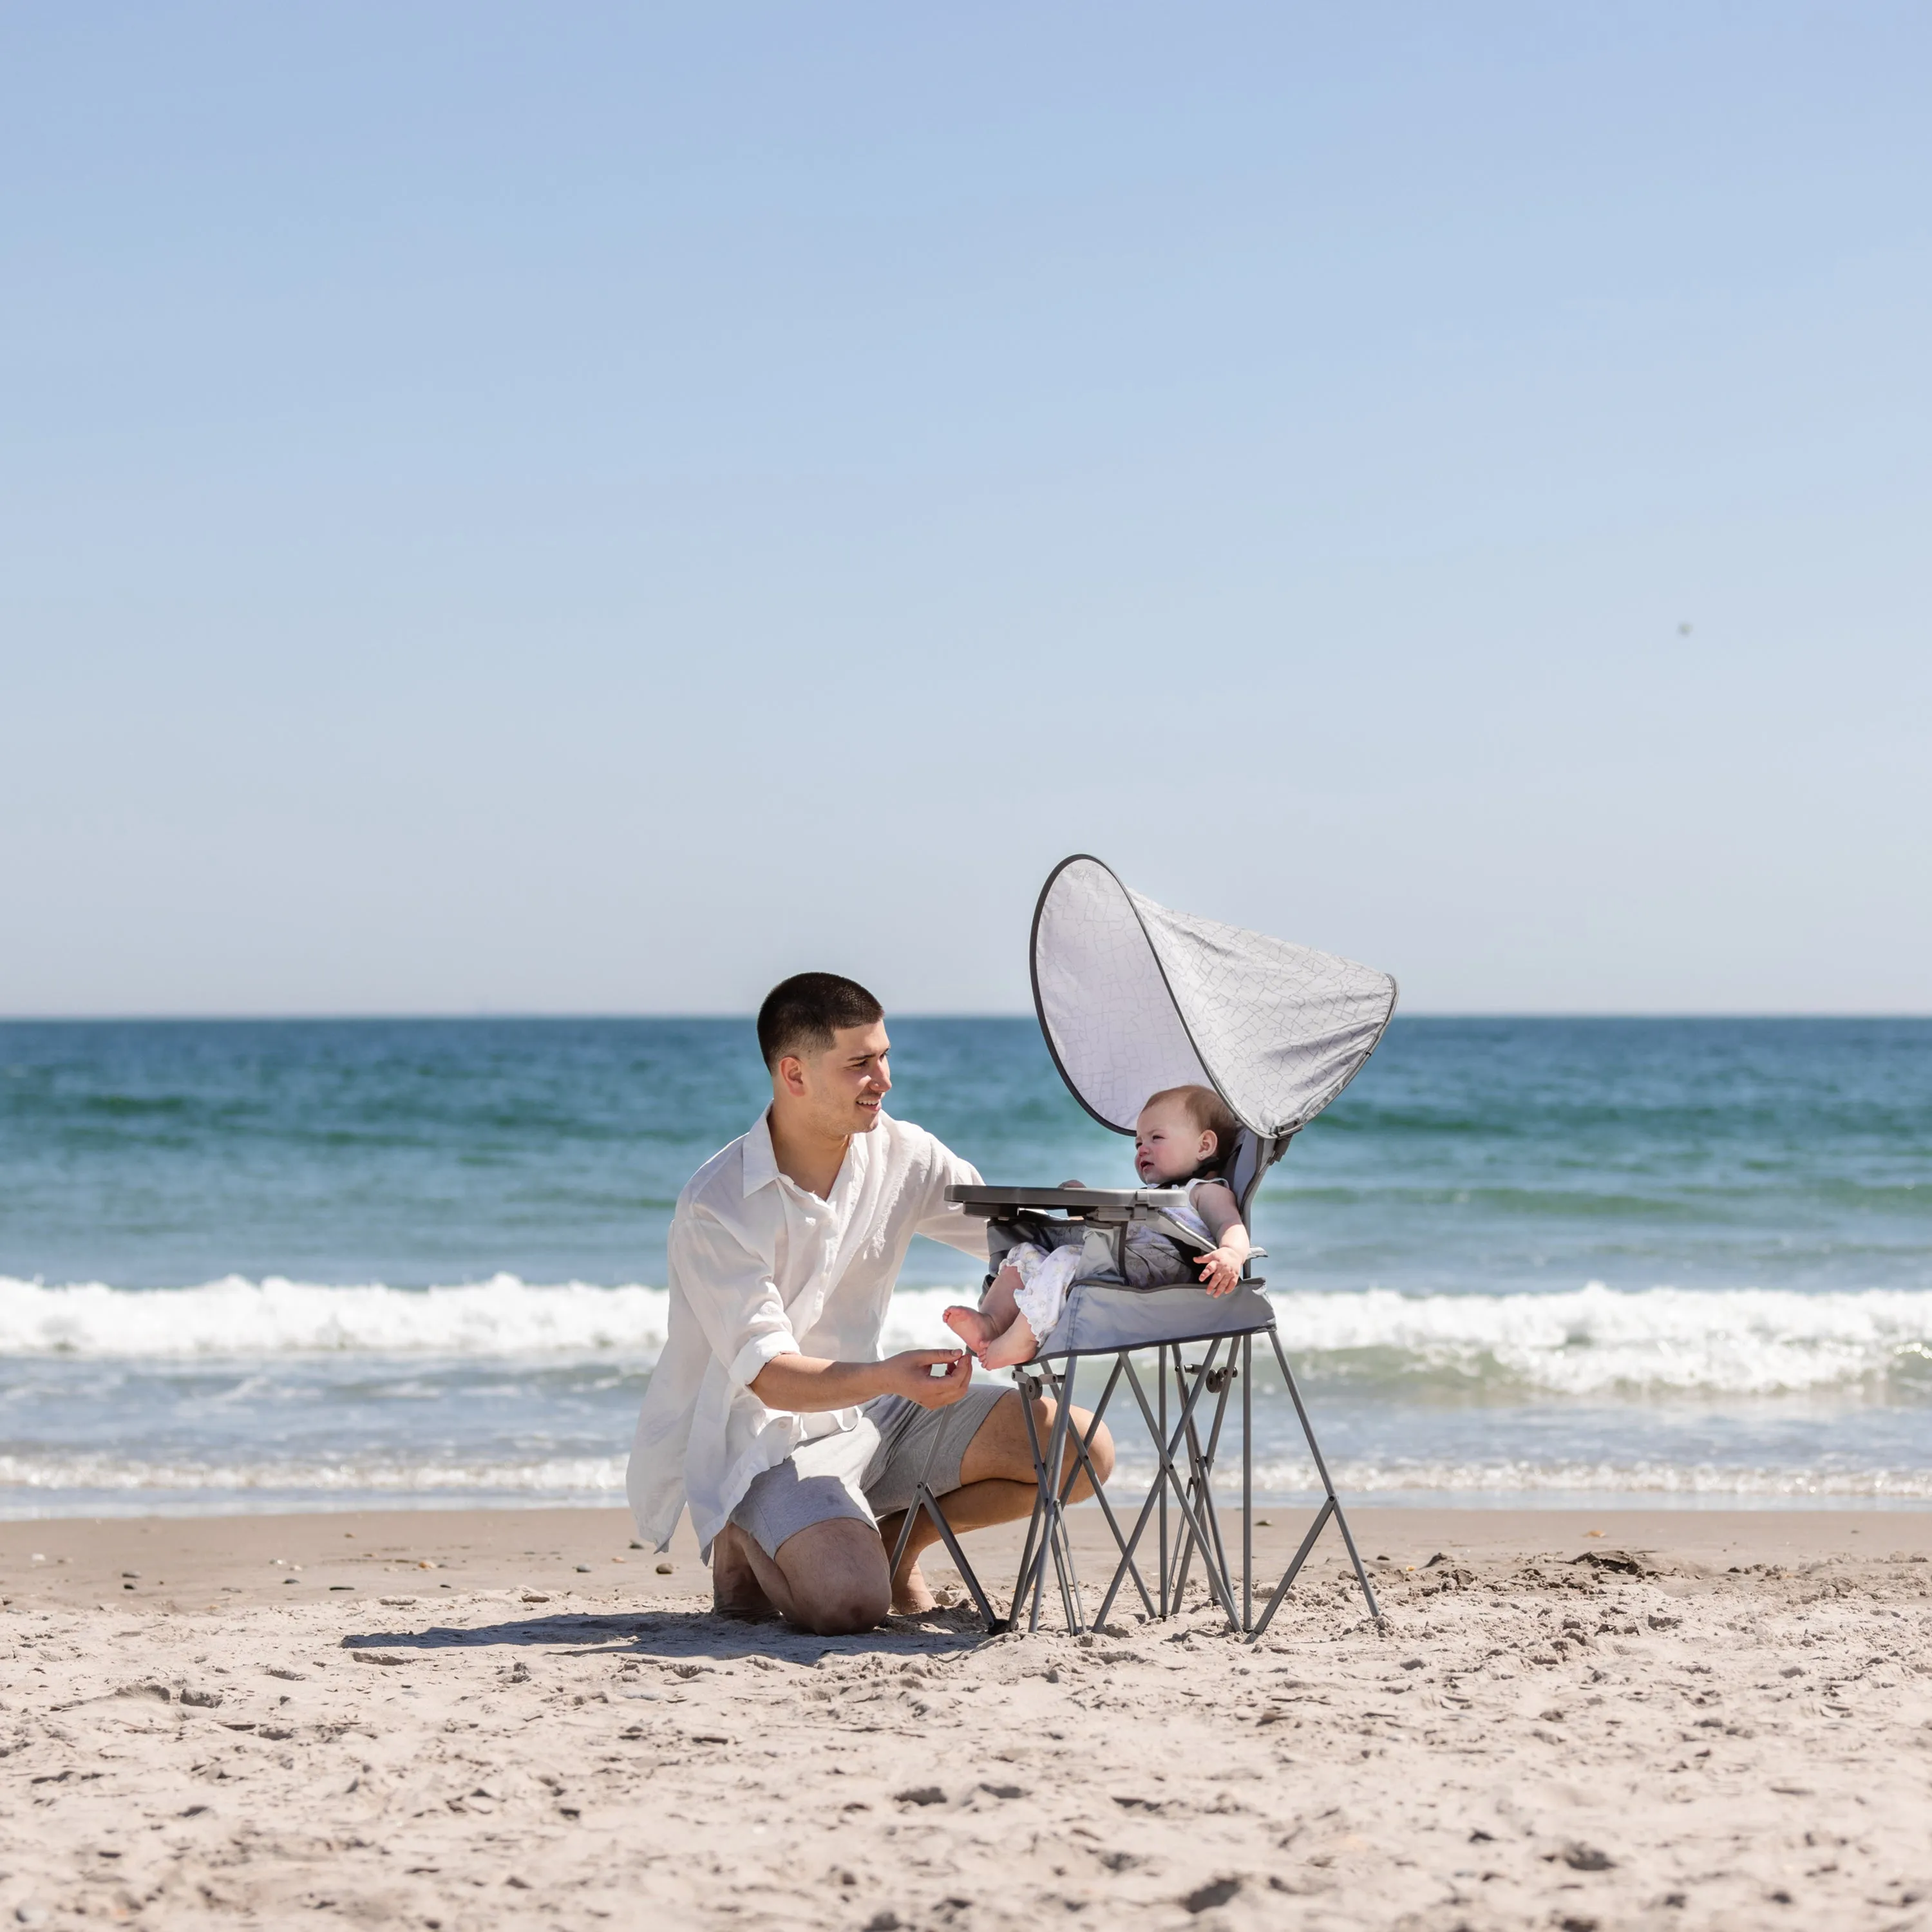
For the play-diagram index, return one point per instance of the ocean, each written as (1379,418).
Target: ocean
(324,1263)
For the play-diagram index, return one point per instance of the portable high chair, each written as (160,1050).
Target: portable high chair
(1132,999)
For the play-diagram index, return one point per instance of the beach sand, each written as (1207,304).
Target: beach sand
(512,1718)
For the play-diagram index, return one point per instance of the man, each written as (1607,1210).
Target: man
(770,1412)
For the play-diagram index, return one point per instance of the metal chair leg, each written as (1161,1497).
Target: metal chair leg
(1083,1449)
(1331,1506)
(1047,1533)
(1225,1374)
(924,1499)
(1160,1360)
(1064,1571)
(1032,1550)
(1247,1482)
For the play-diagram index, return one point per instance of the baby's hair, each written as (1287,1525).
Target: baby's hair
(1210,1113)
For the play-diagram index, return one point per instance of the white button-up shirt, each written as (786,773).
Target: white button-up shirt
(759,1267)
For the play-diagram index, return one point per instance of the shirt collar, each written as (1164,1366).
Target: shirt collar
(761,1164)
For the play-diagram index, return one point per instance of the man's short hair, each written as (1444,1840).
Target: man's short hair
(801,1015)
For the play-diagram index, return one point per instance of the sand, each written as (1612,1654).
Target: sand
(443,1720)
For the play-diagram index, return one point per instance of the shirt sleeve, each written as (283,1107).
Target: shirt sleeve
(731,1291)
(939,1220)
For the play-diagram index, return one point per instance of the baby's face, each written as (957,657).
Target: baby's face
(1167,1146)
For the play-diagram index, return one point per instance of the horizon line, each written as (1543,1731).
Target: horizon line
(451,1016)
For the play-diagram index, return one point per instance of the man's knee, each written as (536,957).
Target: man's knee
(837,1577)
(1079,1423)
(1101,1450)
(849,1607)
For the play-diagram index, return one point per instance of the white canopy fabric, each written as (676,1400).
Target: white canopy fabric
(1133,998)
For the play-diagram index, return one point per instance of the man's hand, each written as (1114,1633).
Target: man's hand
(1221,1271)
(907,1374)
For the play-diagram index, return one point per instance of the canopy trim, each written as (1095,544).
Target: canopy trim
(1153,952)
(1368,1027)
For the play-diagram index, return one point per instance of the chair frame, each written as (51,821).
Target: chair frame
(1190,1494)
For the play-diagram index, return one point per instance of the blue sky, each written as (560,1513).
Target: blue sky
(591,509)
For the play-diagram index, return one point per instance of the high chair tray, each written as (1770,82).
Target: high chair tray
(1074,1200)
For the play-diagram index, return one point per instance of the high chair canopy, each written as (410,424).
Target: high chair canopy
(1133,998)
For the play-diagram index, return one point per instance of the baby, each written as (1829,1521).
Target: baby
(1182,1135)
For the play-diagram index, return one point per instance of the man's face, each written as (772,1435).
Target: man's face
(843,1086)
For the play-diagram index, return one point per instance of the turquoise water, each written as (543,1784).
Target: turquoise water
(300,1262)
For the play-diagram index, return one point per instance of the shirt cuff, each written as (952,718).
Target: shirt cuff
(756,1353)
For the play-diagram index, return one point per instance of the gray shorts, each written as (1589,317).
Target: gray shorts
(862,1473)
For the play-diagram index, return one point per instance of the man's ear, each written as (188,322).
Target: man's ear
(791,1070)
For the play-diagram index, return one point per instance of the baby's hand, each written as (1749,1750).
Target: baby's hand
(1221,1271)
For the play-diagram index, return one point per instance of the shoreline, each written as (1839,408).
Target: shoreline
(1530,1504)
(188,1563)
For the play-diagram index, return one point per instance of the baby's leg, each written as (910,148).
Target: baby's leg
(977,1327)
(1037,1302)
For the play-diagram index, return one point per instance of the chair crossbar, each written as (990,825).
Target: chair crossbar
(1200,1480)
(1185,1456)
(1294,1569)
(1049,1513)
(925,1502)
(1166,1477)
(1033,1551)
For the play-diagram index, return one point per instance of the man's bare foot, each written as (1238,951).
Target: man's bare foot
(1016,1346)
(736,1591)
(910,1597)
(970,1326)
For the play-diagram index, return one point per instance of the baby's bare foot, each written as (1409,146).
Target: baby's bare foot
(1008,1351)
(970,1326)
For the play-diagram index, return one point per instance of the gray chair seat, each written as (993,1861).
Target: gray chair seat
(1100,1318)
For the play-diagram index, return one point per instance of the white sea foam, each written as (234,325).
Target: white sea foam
(1600,1341)
(1594,1341)
(498,1318)
(577,1476)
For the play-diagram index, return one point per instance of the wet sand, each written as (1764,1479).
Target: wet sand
(512,1718)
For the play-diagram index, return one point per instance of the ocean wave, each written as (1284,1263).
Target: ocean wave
(1598,1341)
(1591,1342)
(502,1317)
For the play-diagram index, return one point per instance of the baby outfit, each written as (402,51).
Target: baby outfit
(1047,1266)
